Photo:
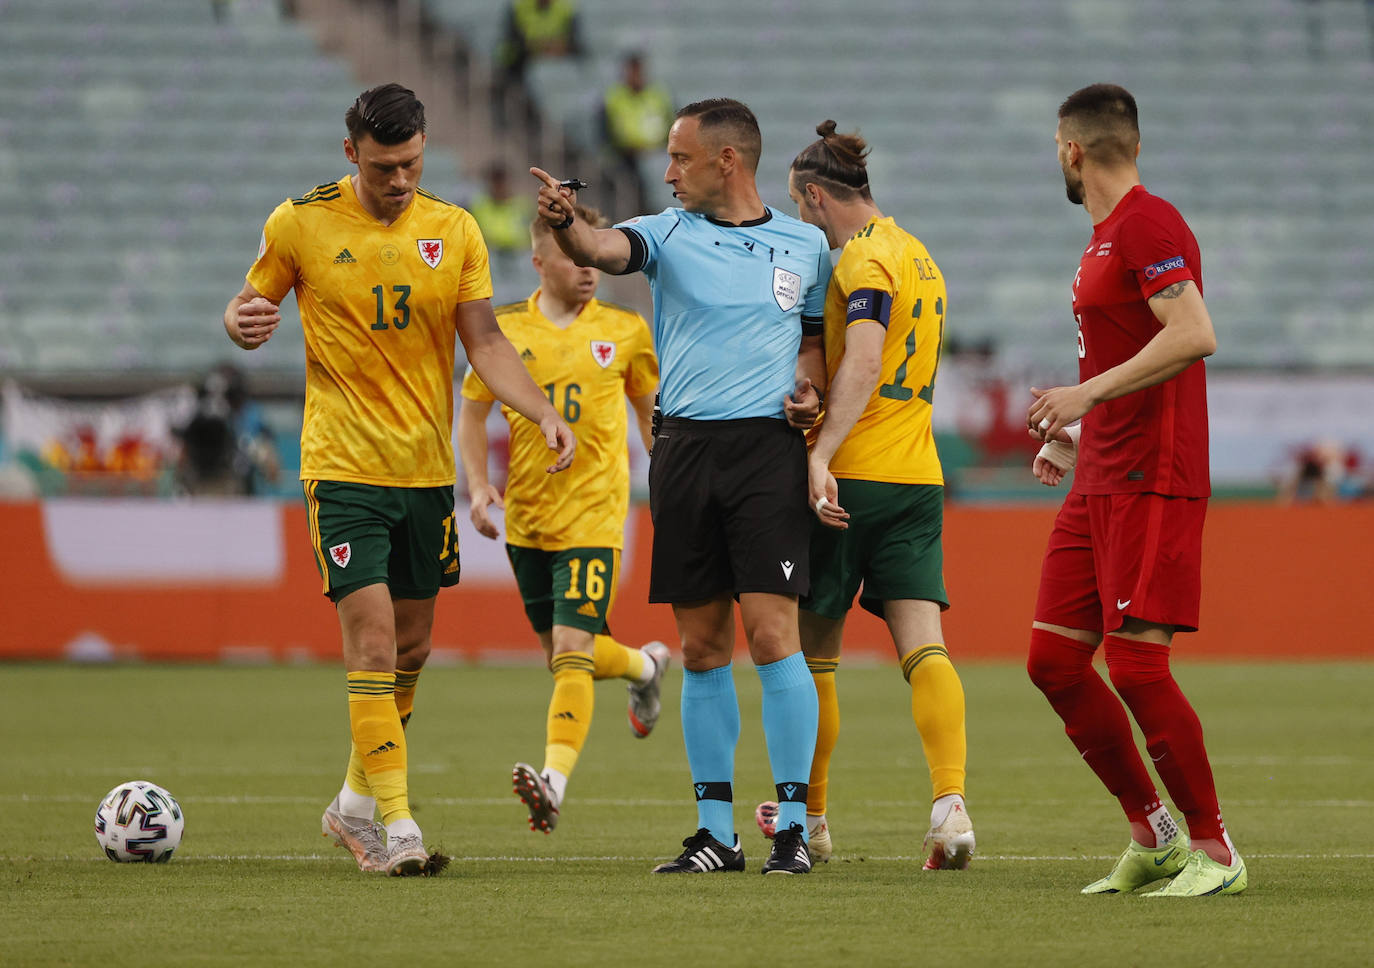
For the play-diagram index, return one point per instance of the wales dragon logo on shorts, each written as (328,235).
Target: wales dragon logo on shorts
(342,554)
(786,288)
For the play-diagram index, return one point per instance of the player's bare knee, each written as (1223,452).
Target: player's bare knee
(412,655)
(702,654)
(772,645)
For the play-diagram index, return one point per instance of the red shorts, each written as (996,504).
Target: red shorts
(1114,555)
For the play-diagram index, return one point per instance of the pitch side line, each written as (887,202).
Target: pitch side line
(182,859)
(651,802)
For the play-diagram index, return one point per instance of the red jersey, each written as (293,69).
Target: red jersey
(1153,439)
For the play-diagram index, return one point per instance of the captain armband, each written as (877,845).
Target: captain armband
(868,305)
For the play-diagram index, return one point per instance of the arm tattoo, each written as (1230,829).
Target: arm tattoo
(1171,292)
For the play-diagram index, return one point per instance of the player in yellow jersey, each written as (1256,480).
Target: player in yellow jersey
(385,275)
(875,479)
(564,535)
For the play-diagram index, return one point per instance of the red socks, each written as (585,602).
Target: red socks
(1096,724)
(1173,737)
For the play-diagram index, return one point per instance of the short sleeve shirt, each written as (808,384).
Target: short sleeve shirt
(1155,439)
(379,306)
(587,370)
(886,275)
(730,302)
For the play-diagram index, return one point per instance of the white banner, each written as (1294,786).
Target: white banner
(108,541)
(135,435)
(1260,422)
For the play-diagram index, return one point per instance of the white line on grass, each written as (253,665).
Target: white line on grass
(645,802)
(615,858)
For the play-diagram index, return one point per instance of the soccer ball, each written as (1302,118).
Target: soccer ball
(139,821)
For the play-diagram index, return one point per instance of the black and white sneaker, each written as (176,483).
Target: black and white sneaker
(789,855)
(704,855)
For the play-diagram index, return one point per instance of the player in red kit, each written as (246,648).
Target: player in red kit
(1123,566)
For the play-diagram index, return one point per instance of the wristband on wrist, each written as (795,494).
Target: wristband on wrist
(566,223)
(1061,455)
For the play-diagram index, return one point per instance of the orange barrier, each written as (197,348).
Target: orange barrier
(1278,583)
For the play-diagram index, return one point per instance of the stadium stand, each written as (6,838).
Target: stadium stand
(138,159)
(1258,124)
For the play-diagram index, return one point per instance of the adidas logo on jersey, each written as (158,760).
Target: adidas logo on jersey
(344,257)
(587,609)
(527,356)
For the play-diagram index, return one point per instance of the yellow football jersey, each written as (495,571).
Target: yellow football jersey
(892,440)
(587,371)
(378,304)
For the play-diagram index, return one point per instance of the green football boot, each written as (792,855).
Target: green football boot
(1202,876)
(1139,866)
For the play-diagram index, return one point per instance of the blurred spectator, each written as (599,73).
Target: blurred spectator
(503,217)
(534,29)
(227,447)
(222,9)
(1322,472)
(1316,39)
(635,118)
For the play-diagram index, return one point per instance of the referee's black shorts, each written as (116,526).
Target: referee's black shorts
(729,505)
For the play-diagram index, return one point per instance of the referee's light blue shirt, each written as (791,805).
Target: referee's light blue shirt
(730,303)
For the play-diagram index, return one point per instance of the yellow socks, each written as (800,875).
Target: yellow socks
(405,694)
(405,703)
(379,741)
(570,710)
(827,732)
(937,707)
(616,661)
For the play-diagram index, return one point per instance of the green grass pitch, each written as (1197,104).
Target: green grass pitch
(254,754)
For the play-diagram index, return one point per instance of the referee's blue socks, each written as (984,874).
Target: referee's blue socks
(790,712)
(710,731)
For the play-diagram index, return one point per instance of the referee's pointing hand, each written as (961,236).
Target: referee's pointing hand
(555,202)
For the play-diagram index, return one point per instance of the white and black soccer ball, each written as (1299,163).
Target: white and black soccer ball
(139,821)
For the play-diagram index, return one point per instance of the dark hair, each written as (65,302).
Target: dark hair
(1103,119)
(726,121)
(836,162)
(389,113)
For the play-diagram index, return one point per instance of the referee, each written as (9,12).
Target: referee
(739,296)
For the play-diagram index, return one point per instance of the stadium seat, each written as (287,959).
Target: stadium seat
(138,160)
(1258,122)
(1242,128)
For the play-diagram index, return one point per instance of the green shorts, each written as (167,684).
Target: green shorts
(574,587)
(403,537)
(892,546)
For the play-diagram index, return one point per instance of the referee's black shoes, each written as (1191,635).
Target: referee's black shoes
(789,855)
(704,855)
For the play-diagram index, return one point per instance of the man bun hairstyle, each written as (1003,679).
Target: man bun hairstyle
(1102,118)
(389,113)
(836,162)
(725,121)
